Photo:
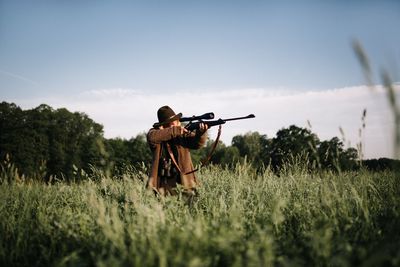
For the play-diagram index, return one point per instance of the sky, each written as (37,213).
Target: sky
(288,62)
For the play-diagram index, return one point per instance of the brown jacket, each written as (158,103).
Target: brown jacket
(157,140)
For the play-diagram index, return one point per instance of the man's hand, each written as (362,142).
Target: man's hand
(184,131)
(203,127)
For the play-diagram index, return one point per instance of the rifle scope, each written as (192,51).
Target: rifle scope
(205,116)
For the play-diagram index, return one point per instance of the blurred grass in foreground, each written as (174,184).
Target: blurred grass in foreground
(392,95)
(240,218)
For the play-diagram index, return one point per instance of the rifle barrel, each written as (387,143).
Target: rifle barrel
(250,116)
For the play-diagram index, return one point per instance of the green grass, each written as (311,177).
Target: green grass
(240,218)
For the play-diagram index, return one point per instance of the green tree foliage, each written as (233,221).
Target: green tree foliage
(382,164)
(139,150)
(253,146)
(290,145)
(44,142)
(293,143)
(332,155)
(231,156)
(125,153)
(47,141)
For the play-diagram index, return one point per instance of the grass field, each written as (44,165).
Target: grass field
(240,218)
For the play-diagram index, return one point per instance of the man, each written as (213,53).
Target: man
(170,144)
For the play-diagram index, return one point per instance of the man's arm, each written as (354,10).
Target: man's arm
(196,139)
(156,136)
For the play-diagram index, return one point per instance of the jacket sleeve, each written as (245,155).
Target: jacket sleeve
(196,140)
(156,136)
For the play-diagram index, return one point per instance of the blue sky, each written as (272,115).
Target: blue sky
(58,50)
(180,45)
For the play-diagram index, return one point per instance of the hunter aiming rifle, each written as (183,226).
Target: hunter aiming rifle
(206,118)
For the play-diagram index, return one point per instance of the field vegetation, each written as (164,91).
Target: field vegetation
(70,197)
(240,218)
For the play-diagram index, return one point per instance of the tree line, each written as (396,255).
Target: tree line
(44,142)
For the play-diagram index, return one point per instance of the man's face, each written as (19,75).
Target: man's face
(171,124)
(175,123)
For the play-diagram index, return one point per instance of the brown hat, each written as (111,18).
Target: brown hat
(166,115)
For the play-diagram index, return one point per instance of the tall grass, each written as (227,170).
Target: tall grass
(388,84)
(240,218)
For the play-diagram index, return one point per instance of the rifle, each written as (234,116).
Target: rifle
(206,118)
(194,121)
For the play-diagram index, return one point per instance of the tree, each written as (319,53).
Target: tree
(43,140)
(349,159)
(333,156)
(329,154)
(139,150)
(293,143)
(253,146)
(57,142)
(11,132)
(123,153)
(231,156)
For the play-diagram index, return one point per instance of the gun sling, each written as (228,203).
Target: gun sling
(203,162)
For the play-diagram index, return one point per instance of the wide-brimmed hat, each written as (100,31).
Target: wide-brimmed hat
(166,115)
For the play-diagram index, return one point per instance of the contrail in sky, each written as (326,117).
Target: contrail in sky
(19,77)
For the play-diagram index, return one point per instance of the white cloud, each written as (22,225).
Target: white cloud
(125,112)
